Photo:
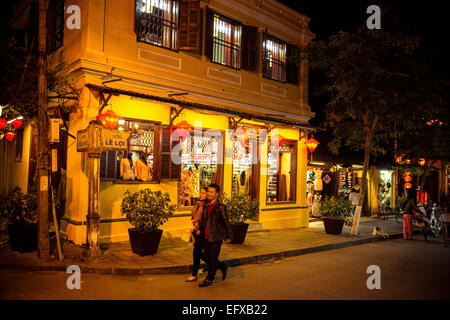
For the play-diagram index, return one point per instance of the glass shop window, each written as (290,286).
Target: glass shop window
(138,161)
(157,22)
(282,172)
(200,166)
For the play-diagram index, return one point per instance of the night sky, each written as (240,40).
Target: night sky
(426,19)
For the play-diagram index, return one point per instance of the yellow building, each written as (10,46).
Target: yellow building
(223,67)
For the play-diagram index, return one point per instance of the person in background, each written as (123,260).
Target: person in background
(143,169)
(197,212)
(127,168)
(353,197)
(410,208)
(215,228)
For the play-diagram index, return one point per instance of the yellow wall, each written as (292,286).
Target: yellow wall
(105,48)
(14,173)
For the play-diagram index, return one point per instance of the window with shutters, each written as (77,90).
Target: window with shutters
(156,22)
(224,40)
(141,160)
(274,58)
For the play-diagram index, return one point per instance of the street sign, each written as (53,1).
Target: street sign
(82,140)
(114,140)
(110,140)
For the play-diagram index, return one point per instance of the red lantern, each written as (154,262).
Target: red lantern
(399,160)
(109,119)
(422,162)
(408,185)
(17,123)
(2,123)
(312,144)
(9,136)
(277,140)
(408,178)
(183,129)
(408,161)
(242,137)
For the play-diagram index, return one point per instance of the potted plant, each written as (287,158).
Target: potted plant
(146,211)
(239,209)
(20,211)
(335,212)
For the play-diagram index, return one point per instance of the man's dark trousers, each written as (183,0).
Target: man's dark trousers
(212,251)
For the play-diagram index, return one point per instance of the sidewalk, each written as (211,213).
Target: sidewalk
(175,255)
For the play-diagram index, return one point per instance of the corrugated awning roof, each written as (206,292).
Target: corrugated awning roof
(194,105)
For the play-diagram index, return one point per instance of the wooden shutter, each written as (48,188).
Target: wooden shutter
(189,27)
(169,170)
(209,33)
(292,64)
(249,49)
(108,165)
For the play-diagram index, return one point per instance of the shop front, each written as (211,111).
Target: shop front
(180,150)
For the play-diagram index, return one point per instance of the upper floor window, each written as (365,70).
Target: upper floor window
(274,58)
(157,22)
(226,41)
(55,25)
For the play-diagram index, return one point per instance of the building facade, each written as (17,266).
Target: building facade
(229,70)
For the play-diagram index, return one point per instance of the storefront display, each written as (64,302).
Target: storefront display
(281,172)
(243,160)
(199,167)
(385,188)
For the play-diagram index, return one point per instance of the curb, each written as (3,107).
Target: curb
(183,269)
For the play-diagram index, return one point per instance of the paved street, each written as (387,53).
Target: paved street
(409,270)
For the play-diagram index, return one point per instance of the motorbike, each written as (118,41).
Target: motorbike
(430,222)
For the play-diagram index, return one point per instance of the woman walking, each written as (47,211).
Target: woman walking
(197,212)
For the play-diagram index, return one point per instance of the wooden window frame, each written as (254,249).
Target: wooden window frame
(293,182)
(156,156)
(266,60)
(173,26)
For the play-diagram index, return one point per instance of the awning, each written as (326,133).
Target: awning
(195,105)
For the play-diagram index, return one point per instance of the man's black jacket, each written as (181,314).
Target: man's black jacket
(218,224)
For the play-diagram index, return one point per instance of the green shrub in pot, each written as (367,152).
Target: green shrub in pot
(337,208)
(240,208)
(147,210)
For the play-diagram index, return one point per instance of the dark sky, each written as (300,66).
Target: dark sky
(426,19)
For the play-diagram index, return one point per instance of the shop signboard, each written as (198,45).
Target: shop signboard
(114,140)
(110,140)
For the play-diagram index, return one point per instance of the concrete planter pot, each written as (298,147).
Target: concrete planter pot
(239,231)
(144,243)
(23,236)
(333,226)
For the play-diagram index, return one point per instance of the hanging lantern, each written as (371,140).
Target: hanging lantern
(2,123)
(399,160)
(109,119)
(312,144)
(241,136)
(408,179)
(408,185)
(1,136)
(17,123)
(277,140)
(9,136)
(422,162)
(183,129)
(408,161)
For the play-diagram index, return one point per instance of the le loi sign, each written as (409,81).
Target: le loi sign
(104,139)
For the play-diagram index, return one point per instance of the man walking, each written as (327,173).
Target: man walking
(215,229)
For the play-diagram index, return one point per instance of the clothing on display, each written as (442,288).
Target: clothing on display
(318,183)
(316,206)
(242,185)
(142,171)
(126,169)
(194,181)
